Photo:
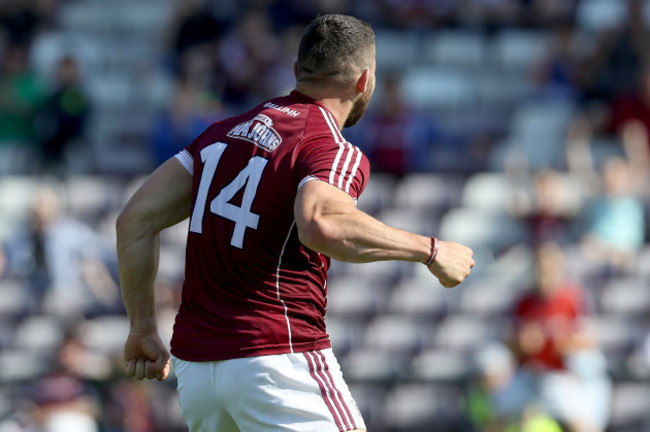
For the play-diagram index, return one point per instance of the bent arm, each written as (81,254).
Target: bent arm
(329,222)
(162,201)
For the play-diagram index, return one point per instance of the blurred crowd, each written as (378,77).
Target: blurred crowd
(570,149)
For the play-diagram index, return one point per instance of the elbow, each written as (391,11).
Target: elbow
(130,224)
(316,234)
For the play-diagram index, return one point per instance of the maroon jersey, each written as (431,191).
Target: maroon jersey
(251,288)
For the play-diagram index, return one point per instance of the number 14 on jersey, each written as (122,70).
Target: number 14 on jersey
(248,178)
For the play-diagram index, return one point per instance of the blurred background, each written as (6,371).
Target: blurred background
(517,127)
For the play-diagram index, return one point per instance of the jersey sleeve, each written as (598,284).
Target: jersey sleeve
(340,164)
(187,156)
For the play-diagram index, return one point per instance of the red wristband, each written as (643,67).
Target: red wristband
(434,251)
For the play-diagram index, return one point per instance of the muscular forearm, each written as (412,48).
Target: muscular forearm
(329,222)
(351,235)
(137,254)
(162,201)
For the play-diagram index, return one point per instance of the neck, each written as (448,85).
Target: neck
(339,105)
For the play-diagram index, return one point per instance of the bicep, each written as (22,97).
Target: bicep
(164,199)
(317,206)
(317,197)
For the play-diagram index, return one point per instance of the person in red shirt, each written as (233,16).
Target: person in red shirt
(560,366)
(547,318)
(271,196)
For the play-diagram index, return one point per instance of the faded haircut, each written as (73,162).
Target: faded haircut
(335,48)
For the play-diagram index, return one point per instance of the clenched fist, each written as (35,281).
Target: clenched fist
(146,356)
(453,263)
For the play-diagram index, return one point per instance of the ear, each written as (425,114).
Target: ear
(362,81)
(295,69)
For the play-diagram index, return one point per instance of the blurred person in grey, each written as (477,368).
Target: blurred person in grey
(63,259)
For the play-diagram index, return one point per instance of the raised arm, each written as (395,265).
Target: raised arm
(329,222)
(162,201)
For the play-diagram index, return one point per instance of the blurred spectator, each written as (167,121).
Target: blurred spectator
(193,26)
(556,348)
(558,72)
(64,402)
(614,222)
(190,111)
(20,19)
(64,261)
(21,96)
(619,56)
(407,13)
(248,48)
(549,209)
(494,401)
(393,135)
(65,115)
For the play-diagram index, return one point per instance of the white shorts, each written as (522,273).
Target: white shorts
(301,392)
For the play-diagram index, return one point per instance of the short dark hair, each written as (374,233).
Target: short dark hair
(335,48)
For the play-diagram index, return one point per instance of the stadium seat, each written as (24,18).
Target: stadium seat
(91,195)
(416,407)
(423,222)
(355,296)
(629,409)
(626,296)
(20,366)
(463,332)
(499,89)
(370,398)
(378,193)
(482,230)
(488,192)
(427,191)
(515,49)
(488,298)
(372,365)
(420,297)
(346,333)
(597,15)
(396,50)
(39,334)
(16,197)
(15,298)
(105,334)
(454,48)
(439,88)
(537,135)
(439,365)
(397,333)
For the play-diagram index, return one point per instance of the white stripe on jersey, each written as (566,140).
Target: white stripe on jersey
(354,170)
(338,138)
(277,285)
(346,164)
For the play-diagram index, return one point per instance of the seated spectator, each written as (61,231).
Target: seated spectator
(189,113)
(496,402)
(556,350)
(393,136)
(64,261)
(549,208)
(614,222)
(21,97)
(65,114)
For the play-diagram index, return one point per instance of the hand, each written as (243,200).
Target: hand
(146,356)
(453,263)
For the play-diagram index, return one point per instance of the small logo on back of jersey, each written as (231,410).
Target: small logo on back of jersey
(258,131)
